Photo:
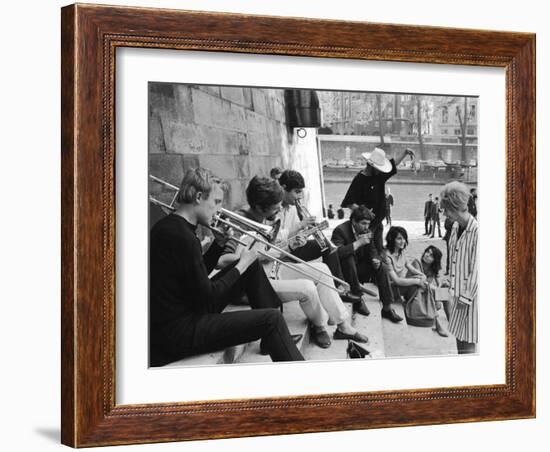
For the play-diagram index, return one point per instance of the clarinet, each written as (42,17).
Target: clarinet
(317,235)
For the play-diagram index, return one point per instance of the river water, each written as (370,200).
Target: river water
(409,199)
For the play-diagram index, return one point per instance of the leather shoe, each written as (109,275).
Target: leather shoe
(350,298)
(441,330)
(358,337)
(320,336)
(361,308)
(390,314)
(295,338)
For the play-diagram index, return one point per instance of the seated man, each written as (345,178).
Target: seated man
(317,295)
(186,306)
(294,218)
(360,259)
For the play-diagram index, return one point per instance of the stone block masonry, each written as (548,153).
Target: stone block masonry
(235,132)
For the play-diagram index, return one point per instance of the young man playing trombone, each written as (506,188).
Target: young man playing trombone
(316,292)
(186,305)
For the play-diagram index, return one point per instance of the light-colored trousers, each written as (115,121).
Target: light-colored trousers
(319,303)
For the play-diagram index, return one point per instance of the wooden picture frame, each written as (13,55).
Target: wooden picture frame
(90,36)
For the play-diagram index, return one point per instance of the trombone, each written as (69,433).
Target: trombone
(170,207)
(257,232)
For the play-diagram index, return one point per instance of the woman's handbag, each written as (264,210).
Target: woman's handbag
(420,309)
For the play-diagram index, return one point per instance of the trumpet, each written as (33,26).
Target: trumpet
(323,242)
(258,233)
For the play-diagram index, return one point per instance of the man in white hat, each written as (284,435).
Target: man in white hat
(368,188)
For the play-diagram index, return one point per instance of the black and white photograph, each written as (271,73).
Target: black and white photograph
(291,224)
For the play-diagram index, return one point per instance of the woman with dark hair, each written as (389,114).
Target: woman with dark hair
(415,281)
(430,264)
(404,277)
(400,268)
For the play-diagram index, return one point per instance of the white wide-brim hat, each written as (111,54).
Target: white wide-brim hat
(377,158)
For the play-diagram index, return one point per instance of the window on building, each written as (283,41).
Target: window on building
(445,115)
(472,112)
(457,132)
(470,131)
(444,132)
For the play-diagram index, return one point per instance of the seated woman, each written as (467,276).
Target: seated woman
(414,281)
(428,302)
(404,276)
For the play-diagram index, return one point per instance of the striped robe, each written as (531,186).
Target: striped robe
(463,271)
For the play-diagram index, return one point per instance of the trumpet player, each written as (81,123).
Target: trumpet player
(186,306)
(316,294)
(360,259)
(292,222)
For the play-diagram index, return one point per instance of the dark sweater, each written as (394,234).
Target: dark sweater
(369,191)
(180,288)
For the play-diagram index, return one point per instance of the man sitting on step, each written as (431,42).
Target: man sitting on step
(360,260)
(316,293)
(185,305)
(294,217)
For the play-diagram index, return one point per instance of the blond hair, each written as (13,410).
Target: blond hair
(195,181)
(454,197)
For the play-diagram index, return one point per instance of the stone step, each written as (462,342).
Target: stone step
(337,350)
(397,339)
(403,340)
(427,342)
(227,356)
(297,324)
(371,326)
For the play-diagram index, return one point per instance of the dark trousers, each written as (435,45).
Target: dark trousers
(218,331)
(435,221)
(377,236)
(360,270)
(427,225)
(203,333)
(311,250)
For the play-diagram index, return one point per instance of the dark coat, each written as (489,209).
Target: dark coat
(343,237)
(428,209)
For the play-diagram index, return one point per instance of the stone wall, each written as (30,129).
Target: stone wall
(235,132)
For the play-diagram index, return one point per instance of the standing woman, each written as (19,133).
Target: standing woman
(463,266)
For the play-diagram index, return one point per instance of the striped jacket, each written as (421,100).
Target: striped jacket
(463,272)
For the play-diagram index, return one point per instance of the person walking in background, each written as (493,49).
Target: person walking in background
(330,212)
(435,218)
(463,270)
(472,202)
(368,188)
(389,205)
(428,205)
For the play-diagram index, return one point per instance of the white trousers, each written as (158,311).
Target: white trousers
(319,303)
